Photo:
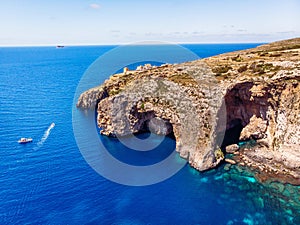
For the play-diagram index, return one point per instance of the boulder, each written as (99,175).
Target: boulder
(232,148)
(230,161)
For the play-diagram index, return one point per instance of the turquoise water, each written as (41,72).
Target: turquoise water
(48,181)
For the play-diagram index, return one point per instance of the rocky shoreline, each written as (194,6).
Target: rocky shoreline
(250,96)
(265,165)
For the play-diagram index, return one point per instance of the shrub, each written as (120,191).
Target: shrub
(237,58)
(263,53)
(242,68)
(275,54)
(219,154)
(221,69)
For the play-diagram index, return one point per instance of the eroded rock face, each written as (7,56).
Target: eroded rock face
(267,110)
(256,90)
(163,106)
(271,116)
(89,99)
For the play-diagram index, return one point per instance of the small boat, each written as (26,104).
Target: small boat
(60,46)
(24,140)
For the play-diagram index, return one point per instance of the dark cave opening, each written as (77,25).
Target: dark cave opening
(232,135)
(156,126)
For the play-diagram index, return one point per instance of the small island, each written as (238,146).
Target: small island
(258,89)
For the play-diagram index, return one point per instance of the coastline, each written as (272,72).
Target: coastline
(264,79)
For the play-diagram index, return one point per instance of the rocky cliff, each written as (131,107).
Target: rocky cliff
(250,97)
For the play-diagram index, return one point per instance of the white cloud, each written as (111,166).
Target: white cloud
(95,6)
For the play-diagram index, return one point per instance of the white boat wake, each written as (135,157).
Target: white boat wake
(45,136)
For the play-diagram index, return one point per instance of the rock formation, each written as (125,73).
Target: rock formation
(250,96)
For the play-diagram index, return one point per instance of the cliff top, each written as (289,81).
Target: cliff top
(267,62)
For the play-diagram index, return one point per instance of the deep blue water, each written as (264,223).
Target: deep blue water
(49,182)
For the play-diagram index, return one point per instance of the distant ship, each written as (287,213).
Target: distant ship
(24,140)
(60,46)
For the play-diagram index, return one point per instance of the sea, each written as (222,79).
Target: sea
(49,181)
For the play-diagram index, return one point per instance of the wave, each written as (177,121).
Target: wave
(45,136)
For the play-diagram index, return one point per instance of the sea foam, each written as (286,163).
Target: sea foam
(45,136)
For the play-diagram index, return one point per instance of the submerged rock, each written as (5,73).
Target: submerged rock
(230,161)
(227,167)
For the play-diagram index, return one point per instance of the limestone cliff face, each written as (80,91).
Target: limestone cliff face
(269,112)
(246,95)
(173,99)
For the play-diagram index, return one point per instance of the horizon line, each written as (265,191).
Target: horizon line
(133,43)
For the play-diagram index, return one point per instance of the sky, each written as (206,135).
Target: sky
(93,22)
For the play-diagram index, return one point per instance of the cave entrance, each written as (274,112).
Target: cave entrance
(241,106)
(232,134)
(156,126)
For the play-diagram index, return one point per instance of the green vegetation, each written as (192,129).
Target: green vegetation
(275,54)
(183,78)
(219,154)
(237,58)
(262,67)
(288,47)
(263,53)
(221,69)
(242,69)
(113,92)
